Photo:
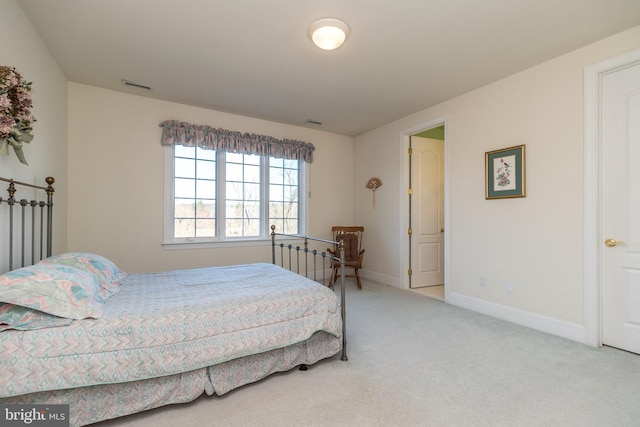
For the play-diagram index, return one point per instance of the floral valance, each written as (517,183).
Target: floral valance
(210,138)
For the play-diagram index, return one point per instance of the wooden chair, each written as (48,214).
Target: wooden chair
(353,252)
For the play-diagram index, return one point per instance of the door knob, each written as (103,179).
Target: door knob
(612,242)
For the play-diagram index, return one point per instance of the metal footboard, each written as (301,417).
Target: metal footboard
(297,258)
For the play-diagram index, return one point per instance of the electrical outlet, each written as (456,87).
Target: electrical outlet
(508,287)
(483,281)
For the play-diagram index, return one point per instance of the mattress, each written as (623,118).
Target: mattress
(167,323)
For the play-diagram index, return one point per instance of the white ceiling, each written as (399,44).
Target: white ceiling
(254,58)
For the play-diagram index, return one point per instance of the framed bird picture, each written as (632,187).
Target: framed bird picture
(505,173)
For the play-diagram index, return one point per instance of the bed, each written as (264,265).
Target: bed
(75,329)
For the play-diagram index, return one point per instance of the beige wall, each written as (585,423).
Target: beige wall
(116,176)
(22,48)
(535,242)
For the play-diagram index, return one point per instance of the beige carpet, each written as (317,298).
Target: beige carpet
(436,292)
(416,361)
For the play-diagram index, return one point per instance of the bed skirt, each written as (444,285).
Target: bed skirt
(102,402)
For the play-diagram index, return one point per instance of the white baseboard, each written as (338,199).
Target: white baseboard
(380,278)
(549,325)
(561,328)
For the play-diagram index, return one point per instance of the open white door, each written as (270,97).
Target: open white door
(620,238)
(427,212)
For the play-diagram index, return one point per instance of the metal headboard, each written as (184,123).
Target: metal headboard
(29,224)
(315,254)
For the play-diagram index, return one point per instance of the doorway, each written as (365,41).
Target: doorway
(612,186)
(620,209)
(424,238)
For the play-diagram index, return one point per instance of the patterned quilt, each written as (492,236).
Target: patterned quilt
(165,323)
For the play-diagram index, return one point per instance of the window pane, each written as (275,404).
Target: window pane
(251,159)
(252,228)
(205,228)
(252,210)
(291,226)
(194,208)
(276,210)
(234,157)
(206,169)
(275,193)
(252,191)
(243,194)
(233,227)
(237,209)
(234,209)
(290,211)
(185,187)
(290,193)
(290,176)
(275,175)
(205,189)
(291,164)
(283,194)
(234,191)
(185,168)
(252,174)
(234,171)
(242,228)
(206,154)
(184,228)
(205,209)
(184,208)
(182,151)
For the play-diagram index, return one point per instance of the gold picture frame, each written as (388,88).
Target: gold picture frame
(505,173)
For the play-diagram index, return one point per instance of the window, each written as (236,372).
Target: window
(284,195)
(217,196)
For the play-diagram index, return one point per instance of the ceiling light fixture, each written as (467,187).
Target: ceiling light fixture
(328,33)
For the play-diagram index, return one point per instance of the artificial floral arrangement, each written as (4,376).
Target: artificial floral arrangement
(16,120)
(373,185)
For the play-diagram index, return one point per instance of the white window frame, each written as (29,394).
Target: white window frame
(170,242)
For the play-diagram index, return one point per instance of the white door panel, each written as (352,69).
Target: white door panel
(427,212)
(621,209)
(429,255)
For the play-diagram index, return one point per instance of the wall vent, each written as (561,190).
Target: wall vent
(136,85)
